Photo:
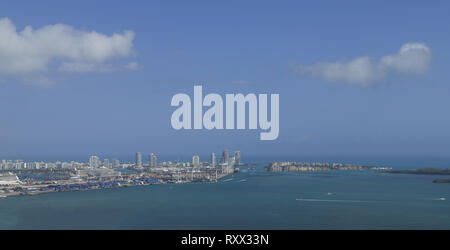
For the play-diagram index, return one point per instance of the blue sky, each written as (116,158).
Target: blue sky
(110,108)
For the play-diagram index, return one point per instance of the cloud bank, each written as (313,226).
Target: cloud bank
(61,46)
(412,58)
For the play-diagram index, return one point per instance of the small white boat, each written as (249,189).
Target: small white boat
(442,199)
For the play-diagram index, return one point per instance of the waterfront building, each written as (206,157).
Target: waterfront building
(138,160)
(94,161)
(99,172)
(65,165)
(152,160)
(106,163)
(225,156)
(237,157)
(213,160)
(115,163)
(196,161)
(7,179)
(232,162)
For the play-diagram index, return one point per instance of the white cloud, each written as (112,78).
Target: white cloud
(82,67)
(413,58)
(33,51)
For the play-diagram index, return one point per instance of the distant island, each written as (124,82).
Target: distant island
(425,171)
(441,181)
(431,171)
(286,166)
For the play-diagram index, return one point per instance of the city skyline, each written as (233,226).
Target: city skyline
(95,161)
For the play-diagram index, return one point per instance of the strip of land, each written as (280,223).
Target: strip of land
(441,181)
(424,171)
(430,171)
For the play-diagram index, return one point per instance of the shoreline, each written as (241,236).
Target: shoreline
(68,186)
(36,193)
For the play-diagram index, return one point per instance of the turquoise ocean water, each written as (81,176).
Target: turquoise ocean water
(250,199)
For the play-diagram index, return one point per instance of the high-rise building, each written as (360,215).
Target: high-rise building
(196,160)
(94,161)
(152,160)
(237,157)
(213,160)
(138,160)
(106,163)
(232,162)
(115,163)
(225,157)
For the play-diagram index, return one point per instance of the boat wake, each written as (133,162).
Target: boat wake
(241,180)
(228,180)
(320,200)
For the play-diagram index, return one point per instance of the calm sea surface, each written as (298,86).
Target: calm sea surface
(250,199)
